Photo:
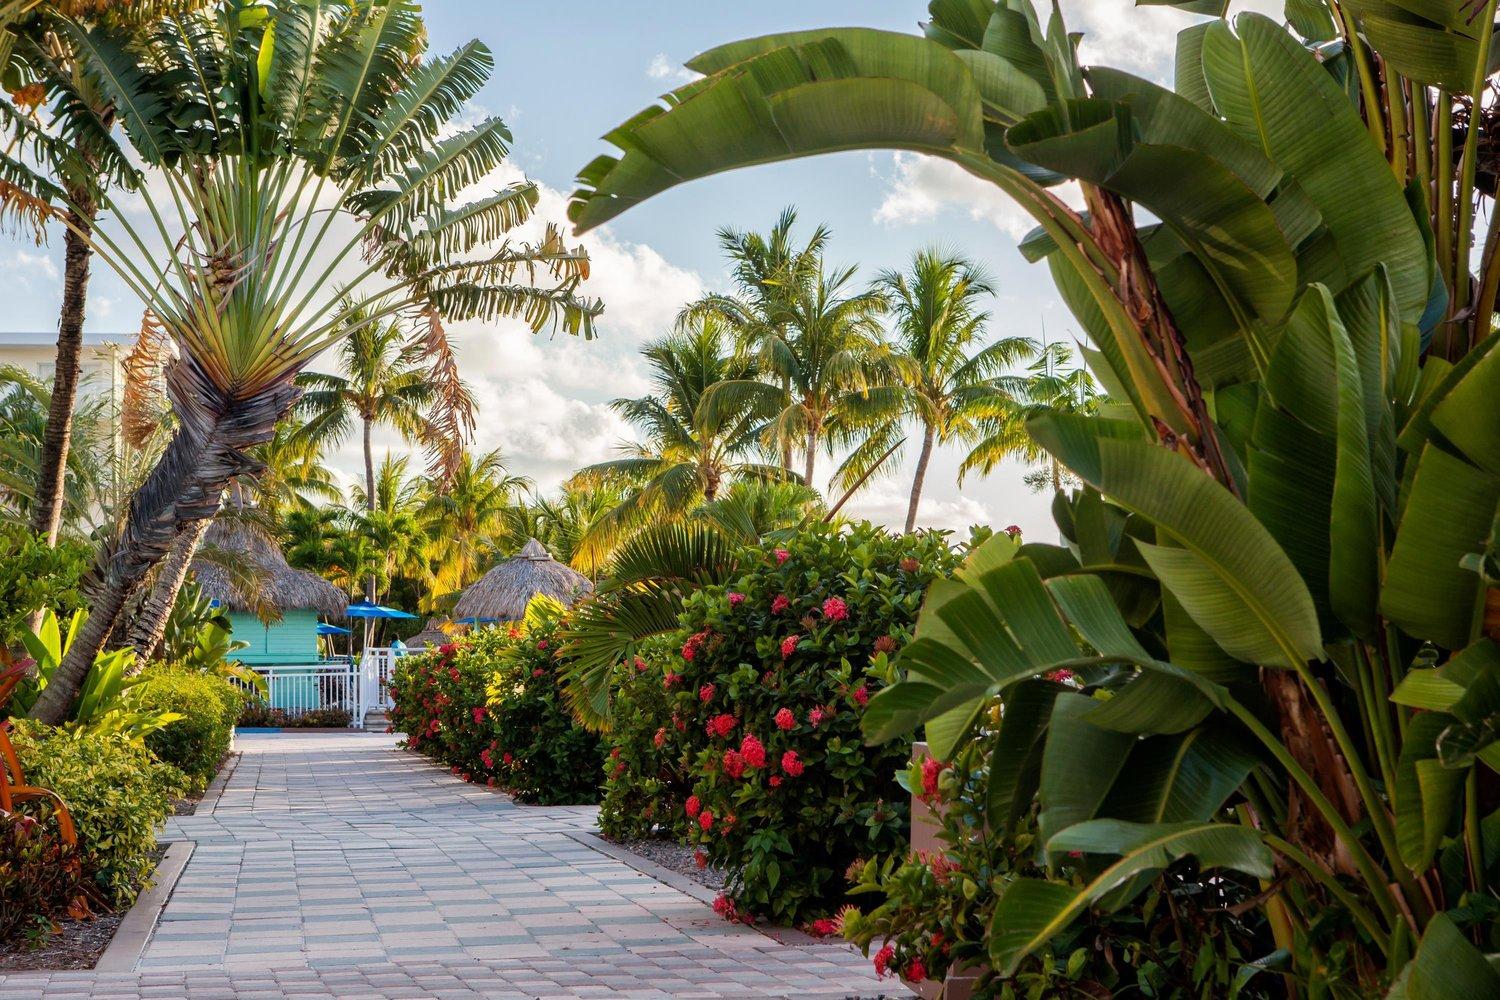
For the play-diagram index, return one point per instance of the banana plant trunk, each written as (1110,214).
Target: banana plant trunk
(46,512)
(216,430)
(150,623)
(928,436)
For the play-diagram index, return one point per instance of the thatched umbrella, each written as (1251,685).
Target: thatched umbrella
(433,635)
(503,593)
(282,587)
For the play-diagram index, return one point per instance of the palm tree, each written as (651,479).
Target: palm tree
(383,383)
(25,402)
(766,272)
(824,363)
(1052,382)
(935,376)
(465,515)
(306,161)
(698,440)
(561,523)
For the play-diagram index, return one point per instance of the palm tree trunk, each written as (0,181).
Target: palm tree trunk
(151,620)
(369,498)
(46,512)
(928,434)
(812,455)
(210,448)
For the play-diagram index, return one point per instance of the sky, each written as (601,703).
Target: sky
(568,72)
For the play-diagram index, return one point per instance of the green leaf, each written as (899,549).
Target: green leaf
(1458,414)
(1424,53)
(1274,93)
(1031,911)
(1449,513)
(1446,966)
(1079,765)
(1180,779)
(1230,575)
(1426,791)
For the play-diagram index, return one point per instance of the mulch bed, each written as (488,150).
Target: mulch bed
(677,858)
(76,945)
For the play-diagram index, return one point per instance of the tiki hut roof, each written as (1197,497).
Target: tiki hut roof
(285,588)
(504,591)
(432,635)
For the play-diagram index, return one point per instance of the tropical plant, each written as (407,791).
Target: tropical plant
(1051,382)
(387,379)
(937,373)
(1312,498)
(266,124)
(33,576)
(466,516)
(197,743)
(25,405)
(698,440)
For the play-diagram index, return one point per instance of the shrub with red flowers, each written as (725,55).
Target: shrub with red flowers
(776,668)
(489,706)
(645,780)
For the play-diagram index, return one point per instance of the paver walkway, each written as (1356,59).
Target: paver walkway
(336,865)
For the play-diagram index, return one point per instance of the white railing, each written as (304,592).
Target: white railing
(355,688)
(297,690)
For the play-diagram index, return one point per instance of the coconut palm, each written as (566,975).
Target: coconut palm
(934,374)
(303,159)
(1052,381)
(466,515)
(698,440)
(561,522)
(384,382)
(25,402)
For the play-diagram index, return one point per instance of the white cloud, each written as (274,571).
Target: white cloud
(34,265)
(662,68)
(885,502)
(924,187)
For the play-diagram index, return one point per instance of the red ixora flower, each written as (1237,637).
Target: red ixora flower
(447,649)
(753,751)
(789,645)
(671,680)
(619,769)
(823,927)
(782,555)
(1060,675)
(736,599)
(792,764)
(541,644)
(706,693)
(786,720)
(910,565)
(780,603)
(478,713)
(640,665)
(835,610)
(775,781)
(660,738)
(882,961)
(862,695)
(706,820)
(700,859)
(885,644)
(734,765)
(721,725)
(816,717)
(693,806)
(537,672)
(932,770)
(507,759)
(1013,530)
(916,971)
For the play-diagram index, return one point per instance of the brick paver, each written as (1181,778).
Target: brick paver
(337,866)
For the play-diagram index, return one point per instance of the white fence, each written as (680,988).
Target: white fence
(337,686)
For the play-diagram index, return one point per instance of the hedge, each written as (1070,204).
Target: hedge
(199,741)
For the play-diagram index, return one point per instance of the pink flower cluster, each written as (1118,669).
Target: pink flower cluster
(835,610)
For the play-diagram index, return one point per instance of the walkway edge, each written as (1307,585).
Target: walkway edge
(135,930)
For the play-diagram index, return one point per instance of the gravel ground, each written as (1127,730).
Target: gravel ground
(678,858)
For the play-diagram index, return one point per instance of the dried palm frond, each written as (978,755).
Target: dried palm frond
(144,407)
(451,422)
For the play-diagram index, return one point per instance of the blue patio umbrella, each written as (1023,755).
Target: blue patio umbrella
(476,621)
(369,612)
(326,629)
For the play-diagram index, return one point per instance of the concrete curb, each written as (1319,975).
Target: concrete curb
(789,936)
(135,930)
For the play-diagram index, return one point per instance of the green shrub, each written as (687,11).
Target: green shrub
(196,743)
(771,677)
(35,575)
(489,706)
(646,776)
(119,795)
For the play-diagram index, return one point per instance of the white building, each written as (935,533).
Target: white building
(103,356)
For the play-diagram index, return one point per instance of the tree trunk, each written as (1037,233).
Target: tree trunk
(151,620)
(369,498)
(46,512)
(928,434)
(209,449)
(812,455)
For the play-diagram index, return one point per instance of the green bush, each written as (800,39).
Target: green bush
(35,575)
(646,776)
(196,743)
(119,795)
(771,677)
(489,706)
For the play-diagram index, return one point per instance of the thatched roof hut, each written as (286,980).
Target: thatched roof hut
(284,588)
(504,591)
(433,635)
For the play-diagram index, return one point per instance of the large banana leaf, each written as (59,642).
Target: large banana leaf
(1229,574)
(1446,965)
(1032,911)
